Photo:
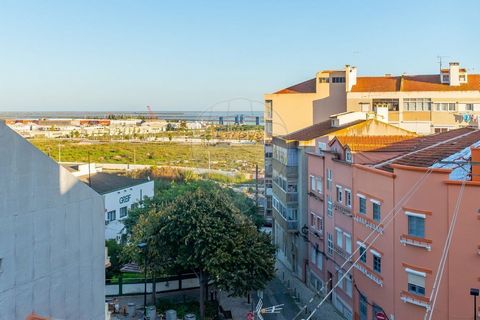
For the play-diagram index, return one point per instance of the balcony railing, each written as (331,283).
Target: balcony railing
(292,225)
(369,274)
(416,242)
(369,223)
(408,297)
(316,195)
(343,209)
(340,252)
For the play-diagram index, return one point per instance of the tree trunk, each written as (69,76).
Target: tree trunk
(154,289)
(203,282)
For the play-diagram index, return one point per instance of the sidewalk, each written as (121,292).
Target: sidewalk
(277,293)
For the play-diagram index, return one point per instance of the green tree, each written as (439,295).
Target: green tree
(202,231)
(114,252)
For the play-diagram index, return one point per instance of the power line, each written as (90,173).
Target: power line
(393,213)
(443,259)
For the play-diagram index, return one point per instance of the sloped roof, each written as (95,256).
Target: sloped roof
(423,151)
(317,130)
(407,83)
(429,82)
(103,182)
(303,87)
(368,143)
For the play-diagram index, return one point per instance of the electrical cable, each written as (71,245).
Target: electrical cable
(410,194)
(443,259)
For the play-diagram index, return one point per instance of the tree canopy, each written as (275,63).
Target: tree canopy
(203,231)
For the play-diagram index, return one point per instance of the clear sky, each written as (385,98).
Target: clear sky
(187,55)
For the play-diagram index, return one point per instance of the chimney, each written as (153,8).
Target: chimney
(454,72)
(350,77)
(475,167)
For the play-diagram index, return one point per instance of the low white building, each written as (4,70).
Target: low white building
(52,256)
(120,194)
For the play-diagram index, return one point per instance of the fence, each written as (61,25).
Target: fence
(136,286)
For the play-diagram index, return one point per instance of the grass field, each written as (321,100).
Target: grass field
(241,158)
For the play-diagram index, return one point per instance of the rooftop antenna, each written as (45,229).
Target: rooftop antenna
(440,61)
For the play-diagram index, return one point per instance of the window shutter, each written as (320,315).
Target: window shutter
(416,280)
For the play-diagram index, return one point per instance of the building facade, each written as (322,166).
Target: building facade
(381,217)
(52,256)
(120,194)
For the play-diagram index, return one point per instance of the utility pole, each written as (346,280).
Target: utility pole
(89,173)
(256,188)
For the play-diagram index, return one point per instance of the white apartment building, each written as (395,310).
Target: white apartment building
(51,237)
(120,194)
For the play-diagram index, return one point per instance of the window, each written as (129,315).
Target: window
(391,104)
(376,211)
(323,80)
(312,183)
(445,106)
(348,156)
(329,206)
(348,198)
(329,244)
(268,109)
(339,194)
(319,261)
(416,226)
(314,254)
(111,215)
(377,263)
(339,279)
(123,212)
(348,285)
(469,107)
(439,130)
(339,238)
(362,205)
(445,78)
(462,78)
(348,243)
(416,282)
(320,224)
(329,179)
(417,104)
(312,219)
(363,254)
(338,79)
(319,185)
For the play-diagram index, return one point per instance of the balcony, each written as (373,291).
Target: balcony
(340,252)
(420,301)
(369,223)
(416,242)
(343,209)
(292,225)
(316,195)
(369,273)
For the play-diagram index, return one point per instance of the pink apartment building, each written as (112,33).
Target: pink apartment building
(391,205)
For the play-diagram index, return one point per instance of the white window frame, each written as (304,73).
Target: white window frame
(348,203)
(312,183)
(329,243)
(319,183)
(348,249)
(339,193)
(339,236)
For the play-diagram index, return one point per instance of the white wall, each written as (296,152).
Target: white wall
(124,198)
(51,237)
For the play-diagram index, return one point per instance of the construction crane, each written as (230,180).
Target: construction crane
(151,115)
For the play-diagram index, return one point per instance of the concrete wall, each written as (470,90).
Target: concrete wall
(51,237)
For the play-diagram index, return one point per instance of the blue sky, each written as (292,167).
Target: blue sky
(188,55)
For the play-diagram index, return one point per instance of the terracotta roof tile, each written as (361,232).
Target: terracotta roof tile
(425,151)
(413,83)
(368,143)
(303,87)
(317,130)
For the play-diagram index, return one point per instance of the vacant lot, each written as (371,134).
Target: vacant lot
(235,157)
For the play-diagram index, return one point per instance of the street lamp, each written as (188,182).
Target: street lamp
(143,246)
(474,292)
